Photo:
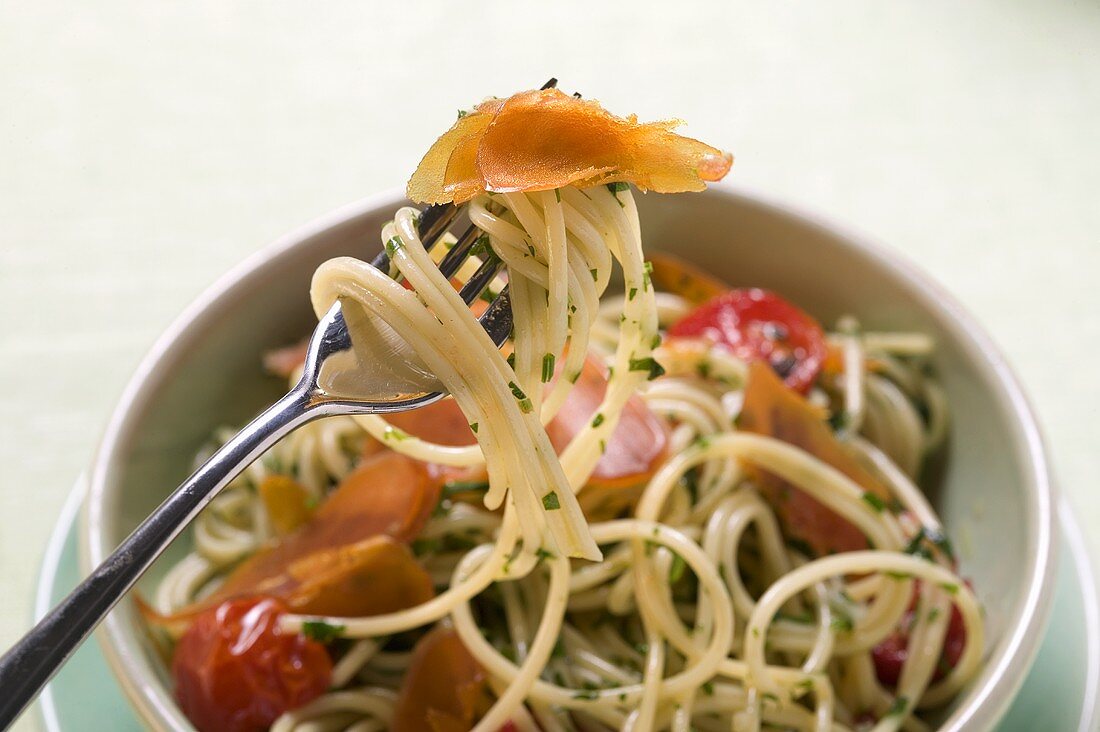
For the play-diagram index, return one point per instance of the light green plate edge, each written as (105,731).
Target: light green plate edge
(1059,694)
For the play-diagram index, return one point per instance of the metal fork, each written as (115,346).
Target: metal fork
(33,661)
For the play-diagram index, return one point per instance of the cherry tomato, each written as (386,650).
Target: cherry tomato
(890,655)
(235,671)
(758,325)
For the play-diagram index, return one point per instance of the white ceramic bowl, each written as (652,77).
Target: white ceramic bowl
(995,495)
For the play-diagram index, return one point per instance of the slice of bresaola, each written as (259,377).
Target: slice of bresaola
(773,409)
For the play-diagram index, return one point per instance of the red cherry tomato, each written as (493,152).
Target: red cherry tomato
(890,655)
(235,671)
(758,325)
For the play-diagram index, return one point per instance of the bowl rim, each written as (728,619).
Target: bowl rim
(1005,670)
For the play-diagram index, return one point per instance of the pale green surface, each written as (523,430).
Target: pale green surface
(146,147)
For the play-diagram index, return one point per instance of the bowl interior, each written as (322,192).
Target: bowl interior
(992,493)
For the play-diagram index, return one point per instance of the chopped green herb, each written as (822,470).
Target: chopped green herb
(455,487)
(595,274)
(473,427)
(802,547)
(393,434)
(544,554)
(899,576)
(702,442)
(525,405)
(647,364)
(708,688)
(321,631)
(598,419)
(557,194)
(618,186)
(841,623)
(756,632)
(950,587)
(481,246)
(633,291)
(933,614)
(550,501)
(574,376)
(647,276)
(603,446)
(767,696)
(898,707)
(656,342)
(641,648)
(874,502)
(676,569)
(393,244)
(547,367)
(511,361)
(587,695)
(462,113)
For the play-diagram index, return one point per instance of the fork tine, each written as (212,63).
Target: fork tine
(434,222)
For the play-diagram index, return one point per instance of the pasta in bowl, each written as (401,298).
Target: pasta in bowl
(763,553)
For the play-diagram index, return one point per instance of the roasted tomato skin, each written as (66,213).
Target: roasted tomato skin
(758,325)
(235,671)
(890,655)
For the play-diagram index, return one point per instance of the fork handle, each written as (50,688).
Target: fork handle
(31,663)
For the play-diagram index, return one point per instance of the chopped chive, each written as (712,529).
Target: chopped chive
(550,501)
(547,367)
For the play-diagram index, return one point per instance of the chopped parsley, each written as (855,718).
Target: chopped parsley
(587,695)
(633,291)
(393,244)
(676,569)
(647,278)
(473,427)
(454,487)
(544,554)
(647,364)
(557,194)
(874,502)
(550,501)
(898,707)
(595,274)
(394,434)
(950,587)
(321,631)
(598,419)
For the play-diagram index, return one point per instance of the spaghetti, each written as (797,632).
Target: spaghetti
(692,602)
